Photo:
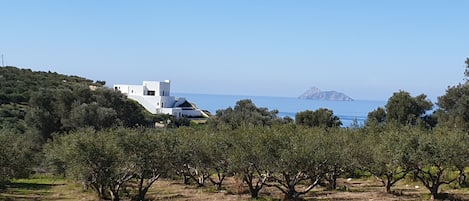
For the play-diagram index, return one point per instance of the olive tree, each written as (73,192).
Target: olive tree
(403,109)
(437,156)
(16,156)
(94,158)
(245,113)
(340,153)
(193,157)
(250,155)
(319,118)
(453,107)
(149,153)
(299,157)
(388,152)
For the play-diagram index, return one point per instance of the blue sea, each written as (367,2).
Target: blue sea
(347,111)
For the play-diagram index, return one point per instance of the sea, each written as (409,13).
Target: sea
(347,111)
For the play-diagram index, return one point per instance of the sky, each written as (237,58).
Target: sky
(365,49)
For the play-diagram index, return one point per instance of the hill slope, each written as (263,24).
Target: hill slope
(48,102)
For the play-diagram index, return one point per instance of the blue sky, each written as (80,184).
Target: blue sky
(366,49)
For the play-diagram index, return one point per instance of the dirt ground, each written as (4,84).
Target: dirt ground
(362,189)
(174,190)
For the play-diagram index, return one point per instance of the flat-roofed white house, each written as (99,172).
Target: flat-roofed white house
(155,97)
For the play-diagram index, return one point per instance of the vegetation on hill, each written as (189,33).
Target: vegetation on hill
(18,85)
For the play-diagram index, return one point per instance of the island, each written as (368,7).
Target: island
(315,93)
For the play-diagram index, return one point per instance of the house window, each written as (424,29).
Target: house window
(151,93)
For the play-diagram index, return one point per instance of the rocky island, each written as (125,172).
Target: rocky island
(314,93)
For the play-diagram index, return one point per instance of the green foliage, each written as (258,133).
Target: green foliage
(45,102)
(298,156)
(107,159)
(377,116)
(319,118)
(16,156)
(17,85)
(245,113)
(466,71)
(403,109)
(436,155)
(150,155)
(454,107)
(92,157)
(388,154)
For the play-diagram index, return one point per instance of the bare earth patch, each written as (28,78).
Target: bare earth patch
(355,189)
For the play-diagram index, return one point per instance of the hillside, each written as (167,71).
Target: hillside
(314,93)
(58,103)
(16,87)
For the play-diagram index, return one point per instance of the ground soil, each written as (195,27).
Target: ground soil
(349,189)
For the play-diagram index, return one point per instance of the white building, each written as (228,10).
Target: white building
(155,97)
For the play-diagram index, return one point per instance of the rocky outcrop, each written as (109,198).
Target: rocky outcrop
(316,94)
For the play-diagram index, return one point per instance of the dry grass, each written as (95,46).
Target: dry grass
(44,189)
(356,189)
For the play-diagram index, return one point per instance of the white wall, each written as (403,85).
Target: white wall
(168,101)
(135,90)
(160,88)
(144,102)
(129,89)
(165,89)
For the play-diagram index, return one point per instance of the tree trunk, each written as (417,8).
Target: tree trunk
(114,195)
(185,179)
(254,192)
(201,180)
(388,183)
(219,181)
(249,179)
(141,194)
(462,178)
(100,190)
(334,181)
(292,194)
(434,192)
(388,187)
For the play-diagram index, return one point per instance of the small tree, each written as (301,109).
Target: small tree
(250,157)
(319,118)
(403,109)
(437,155)
(94,158)
(388,151)
(453,107)
(299,157)
(340,154)
(16,156)
(193,158)
(245,113)
(149,154)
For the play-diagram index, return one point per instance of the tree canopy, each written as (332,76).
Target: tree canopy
(403,109)
(245,113)
(321,117)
